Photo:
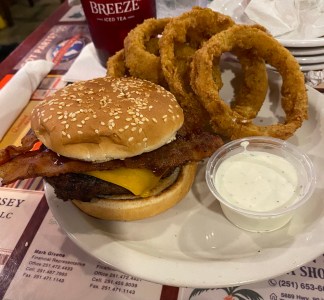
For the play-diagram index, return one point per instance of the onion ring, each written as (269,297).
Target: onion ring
(190,29)
(139,45)
(228,122)
(188,32)
(181,37)
(116,66)
(253,89)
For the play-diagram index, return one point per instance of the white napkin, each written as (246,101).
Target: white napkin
(86,66)
(299,19)
(15,95)
(277,16)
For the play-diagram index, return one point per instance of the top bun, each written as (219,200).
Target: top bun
(107,118)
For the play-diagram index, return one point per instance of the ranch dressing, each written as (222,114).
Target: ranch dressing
(257,181)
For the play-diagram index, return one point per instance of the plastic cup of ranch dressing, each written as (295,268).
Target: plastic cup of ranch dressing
(260,181)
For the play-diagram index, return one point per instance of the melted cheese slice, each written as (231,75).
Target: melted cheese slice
(138,181)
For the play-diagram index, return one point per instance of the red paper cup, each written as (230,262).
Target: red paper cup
(110,21)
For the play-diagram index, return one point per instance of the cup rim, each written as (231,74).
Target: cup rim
(287,146)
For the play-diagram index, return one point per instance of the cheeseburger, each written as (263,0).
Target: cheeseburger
(116,147)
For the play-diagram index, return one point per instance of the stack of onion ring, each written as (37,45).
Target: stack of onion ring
(183,54)
(228,122)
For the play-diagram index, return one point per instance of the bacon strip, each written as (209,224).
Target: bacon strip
(46,163)
(10,152)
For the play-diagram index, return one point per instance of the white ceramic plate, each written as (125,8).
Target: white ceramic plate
(315,59)
(317,42)
(306,51)
(304,68)
(312,67)
(193,244)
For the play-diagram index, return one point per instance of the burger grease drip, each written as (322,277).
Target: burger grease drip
(122,111)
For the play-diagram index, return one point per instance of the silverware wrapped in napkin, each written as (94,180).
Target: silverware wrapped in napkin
(15,95)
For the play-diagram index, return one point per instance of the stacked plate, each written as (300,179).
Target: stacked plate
(309,53)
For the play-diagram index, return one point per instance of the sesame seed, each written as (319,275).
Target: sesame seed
(130,139)
(154,120)
(80,132)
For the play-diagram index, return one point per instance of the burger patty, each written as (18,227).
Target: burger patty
(83,187)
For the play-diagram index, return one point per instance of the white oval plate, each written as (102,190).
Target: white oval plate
(306,51)
(193,244)
(318,42)
(312,67)
(310,59)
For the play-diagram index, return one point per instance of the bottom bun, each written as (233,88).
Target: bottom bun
(131,210)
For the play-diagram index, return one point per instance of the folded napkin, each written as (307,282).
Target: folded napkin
(86,66)
(299,19)
(15,95)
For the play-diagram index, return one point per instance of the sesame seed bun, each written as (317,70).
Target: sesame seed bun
(136,209)
(107,118)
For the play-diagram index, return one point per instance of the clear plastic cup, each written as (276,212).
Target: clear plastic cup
(264,220)
(173,8)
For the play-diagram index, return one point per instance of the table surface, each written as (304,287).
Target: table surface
(38,255)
